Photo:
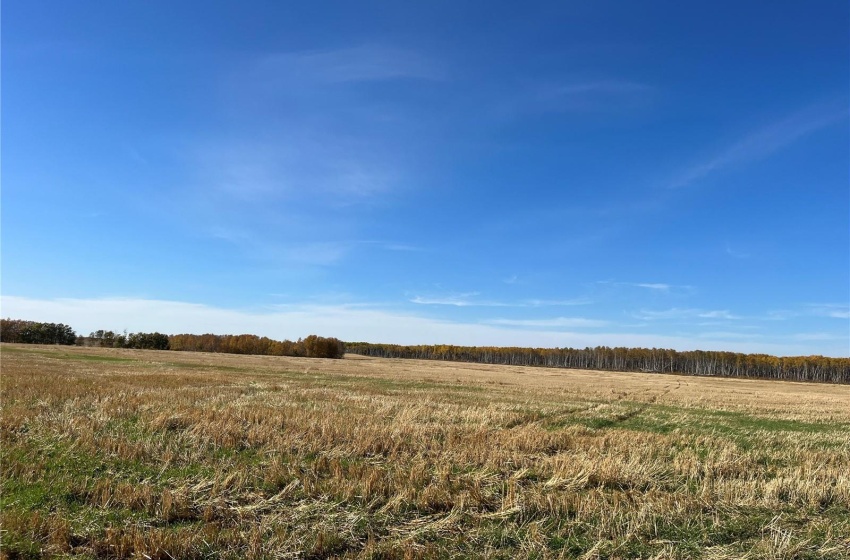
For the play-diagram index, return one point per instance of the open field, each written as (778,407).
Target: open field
(148,454)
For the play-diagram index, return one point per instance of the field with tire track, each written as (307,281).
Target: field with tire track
(110,453)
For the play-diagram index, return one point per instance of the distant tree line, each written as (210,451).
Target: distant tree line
(311,347)
(697,362)
(141,341)
(32,332)
(654,360)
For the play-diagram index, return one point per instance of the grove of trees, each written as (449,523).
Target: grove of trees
(141,341)
(32,332)
(697,362)
(655,360)
(311,347)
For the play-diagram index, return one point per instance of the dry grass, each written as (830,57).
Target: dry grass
(144,454)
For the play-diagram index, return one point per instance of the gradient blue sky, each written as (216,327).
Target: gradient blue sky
(660,174)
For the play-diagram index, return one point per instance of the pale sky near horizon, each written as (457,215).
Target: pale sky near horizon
(656,174)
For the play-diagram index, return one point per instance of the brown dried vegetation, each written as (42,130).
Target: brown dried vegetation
(141,454)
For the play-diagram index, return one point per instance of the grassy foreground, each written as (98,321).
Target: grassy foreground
(145,454)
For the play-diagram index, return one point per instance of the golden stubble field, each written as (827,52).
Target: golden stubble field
(141,454)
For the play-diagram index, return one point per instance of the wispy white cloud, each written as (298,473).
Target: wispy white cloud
(730,335)
(684,313)
(351,64)
(736,253)
(764,142)
(833,310)
(320,254)
(288,252)
(354,323)
(555,302)
(828,310)
(302,164)
(815,336)
(457,300)
(469,299)
(401,247)
(135,155)
(331,170)
(718,314)
(658,287)
(557,322)
(391,246)
(779,315)
(594,96)
(602,87)
(289,199)
(230,234)
(672,313)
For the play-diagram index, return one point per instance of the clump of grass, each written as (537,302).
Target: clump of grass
(143,454)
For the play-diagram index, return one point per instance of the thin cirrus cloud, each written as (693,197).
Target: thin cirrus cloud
(298,133)
(763,142)
(592,96)
(718,314)
(819,336)
(833,310)
(457,300)
(555,302)
(730,335)
(392,246)
(304,254)
(737,254)
(616,87)
(351,64)
(279,194)
(469,300)
(827,310)
(675,313)
(292,166)
(557,322)
(660,287)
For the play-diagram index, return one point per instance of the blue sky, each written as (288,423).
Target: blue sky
(660,174)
